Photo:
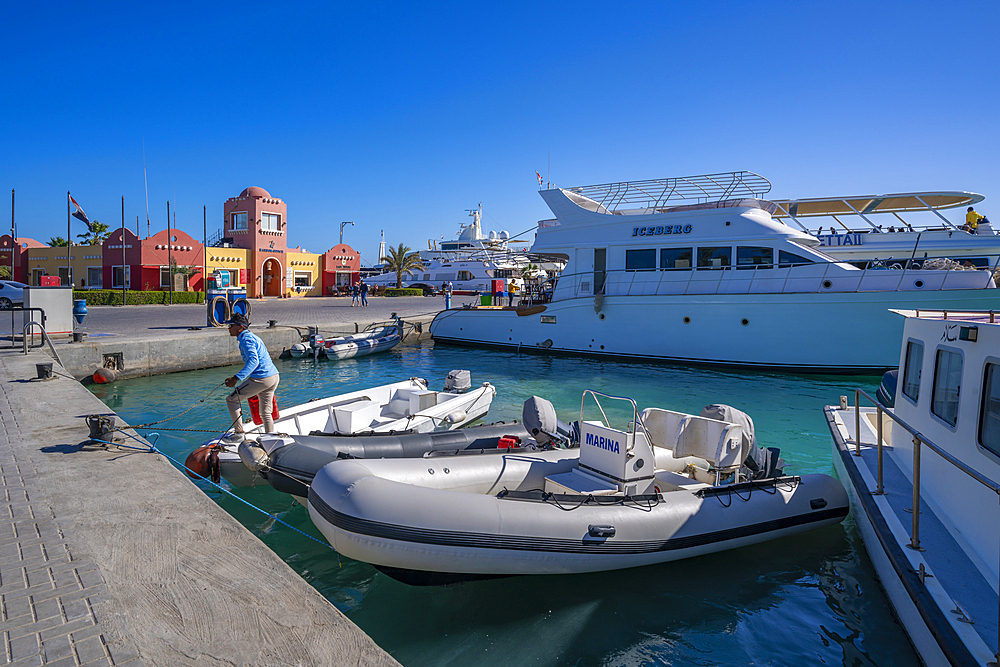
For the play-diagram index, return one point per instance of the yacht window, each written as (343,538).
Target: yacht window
(911,371)
(786,259)
(640,260)
(675,258)
(753,257)
(715,258)
(989,424)
(947,384)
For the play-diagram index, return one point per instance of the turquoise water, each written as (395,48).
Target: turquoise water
(807,600)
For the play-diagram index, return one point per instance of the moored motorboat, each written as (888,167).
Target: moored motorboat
(399,407)
(931,443)
(360,344)
(671,487)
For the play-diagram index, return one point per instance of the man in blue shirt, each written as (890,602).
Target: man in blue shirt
(259,377)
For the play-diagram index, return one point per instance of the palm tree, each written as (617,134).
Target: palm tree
(95,235)
(402,260)
(58,242)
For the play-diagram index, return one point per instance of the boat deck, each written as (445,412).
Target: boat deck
(944,557)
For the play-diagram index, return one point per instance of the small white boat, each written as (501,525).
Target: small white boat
(400,407)
(672,487)
(354,345)
(933,441)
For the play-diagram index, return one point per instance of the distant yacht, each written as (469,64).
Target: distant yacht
(876,230)
(697,269)
(471,261)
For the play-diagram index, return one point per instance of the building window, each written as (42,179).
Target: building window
(715,258)
(239,220)
(270,222)
(640,260)
(753,257)
(947,384)
(95,277)
(116,277)
(303,279)
(65,276)
(911,370)
(164,276)
(989,421)
(675,258)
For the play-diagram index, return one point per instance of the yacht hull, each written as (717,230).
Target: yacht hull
(817,332)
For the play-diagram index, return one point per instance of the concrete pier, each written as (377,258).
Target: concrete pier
(113,557)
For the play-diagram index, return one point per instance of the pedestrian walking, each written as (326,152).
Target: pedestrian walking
(355,294)
(364,294)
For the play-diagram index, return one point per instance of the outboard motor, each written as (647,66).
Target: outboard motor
(316,340)
(458,382)
(540,419)
(762,462)
(886,393)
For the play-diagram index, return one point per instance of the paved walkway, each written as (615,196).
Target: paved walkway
(113,557)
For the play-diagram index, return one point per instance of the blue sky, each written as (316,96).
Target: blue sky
(401,116)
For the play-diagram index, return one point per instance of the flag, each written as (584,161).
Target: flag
(80,215)
(539,177)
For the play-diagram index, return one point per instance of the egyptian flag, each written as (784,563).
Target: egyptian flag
(79,214)
(539,177)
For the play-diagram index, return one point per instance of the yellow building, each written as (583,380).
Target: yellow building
(86,261)
(305,274)
(233,260)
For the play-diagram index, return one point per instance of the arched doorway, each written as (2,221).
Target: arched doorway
(271,273)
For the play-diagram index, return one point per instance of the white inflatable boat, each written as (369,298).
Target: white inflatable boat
(400,407)
(669,486)
(354,345)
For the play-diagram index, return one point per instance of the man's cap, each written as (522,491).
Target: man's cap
(970,208)
(239,318)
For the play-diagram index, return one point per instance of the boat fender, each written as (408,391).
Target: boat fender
(104,376)
(601,531)
(204,462)
(253,457)
(298,350)
(255,409)
(456,417)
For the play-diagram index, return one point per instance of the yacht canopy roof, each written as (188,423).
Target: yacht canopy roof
(658,192)
(863,205)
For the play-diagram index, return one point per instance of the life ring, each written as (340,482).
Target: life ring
(218,311)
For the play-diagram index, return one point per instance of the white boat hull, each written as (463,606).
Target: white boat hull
(444,516)
(796,331)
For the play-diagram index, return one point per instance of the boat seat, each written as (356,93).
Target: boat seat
(718,442)
(668,481)
(579,482)
(356,416)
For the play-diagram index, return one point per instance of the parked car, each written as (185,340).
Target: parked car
(11,293)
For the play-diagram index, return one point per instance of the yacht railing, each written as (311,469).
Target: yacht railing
(658,192)
(785,279)
(919,440)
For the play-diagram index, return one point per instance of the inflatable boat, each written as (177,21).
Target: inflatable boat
(399,407)
(345,347)
(667,486)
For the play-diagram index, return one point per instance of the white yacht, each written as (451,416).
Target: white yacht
(934,445)
(470,262)
(870,230)
(697,269)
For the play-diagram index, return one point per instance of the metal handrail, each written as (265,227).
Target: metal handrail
(45,335)
(636,417)
(918,440)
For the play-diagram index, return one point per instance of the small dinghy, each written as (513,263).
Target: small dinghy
(400,407)
(354,345)
(668,486)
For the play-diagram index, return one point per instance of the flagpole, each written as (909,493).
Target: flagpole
(69,244)
(13,235)
(204,251)
(123,250)
(170,269)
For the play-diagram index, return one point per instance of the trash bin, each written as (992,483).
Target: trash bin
(485,300)
(218,307)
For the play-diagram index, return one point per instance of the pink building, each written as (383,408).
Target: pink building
(259,222)
(341,267)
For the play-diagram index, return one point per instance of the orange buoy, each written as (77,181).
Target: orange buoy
(204,462)
(104,375)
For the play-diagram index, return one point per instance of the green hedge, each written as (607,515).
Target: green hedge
(111,297)
(405,291)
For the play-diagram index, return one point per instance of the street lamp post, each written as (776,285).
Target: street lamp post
(349,222)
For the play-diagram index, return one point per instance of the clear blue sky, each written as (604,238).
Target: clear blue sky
(401,116)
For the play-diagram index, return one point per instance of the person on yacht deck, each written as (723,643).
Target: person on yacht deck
(972,220)
(259,377)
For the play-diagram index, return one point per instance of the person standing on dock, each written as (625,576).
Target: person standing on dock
(355,292)
(364,294)
(447,294)
(258,377)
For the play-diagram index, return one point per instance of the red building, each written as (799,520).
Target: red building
(18,252)
(341,268)
(147,261)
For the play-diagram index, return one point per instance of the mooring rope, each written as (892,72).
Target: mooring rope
(153,448)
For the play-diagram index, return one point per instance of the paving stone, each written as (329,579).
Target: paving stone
(16,607)
(30,661)
(57,647)
(76,625)
(25,646)
(91,648)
